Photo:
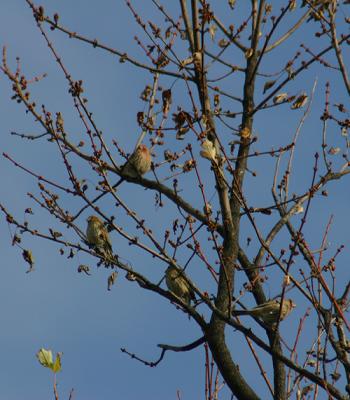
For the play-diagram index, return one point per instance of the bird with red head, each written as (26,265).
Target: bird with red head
(138,164)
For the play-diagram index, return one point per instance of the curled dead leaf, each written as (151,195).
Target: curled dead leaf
(231,3)
(223,43)
(111,279)
(167,100)
(292,5)
(279,98)
(298,209)
(333,151)
(181,132)
(268,85)
(28,258)
(212,30)
(300,101)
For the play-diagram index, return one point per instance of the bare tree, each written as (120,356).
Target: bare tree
(223,242)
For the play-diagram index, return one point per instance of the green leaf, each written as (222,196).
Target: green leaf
(57,365)
(45,358)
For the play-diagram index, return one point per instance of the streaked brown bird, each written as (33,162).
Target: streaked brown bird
(138,164)
(177,283)
(269,311)
(97,236)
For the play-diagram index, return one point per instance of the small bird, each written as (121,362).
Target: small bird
(97,236)
(138,164)
(269,311)
(177,283)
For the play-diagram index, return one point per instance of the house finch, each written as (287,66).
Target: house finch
(138,163)
(269,311)
(178,284)
(97,236)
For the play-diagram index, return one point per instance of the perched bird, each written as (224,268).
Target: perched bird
(269,311)
(138,163)
(97,236)
(178,284)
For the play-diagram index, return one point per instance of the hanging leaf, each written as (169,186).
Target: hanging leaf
(111,280)
(307,389)
(84,268)
(300,101)
(146,93)
(188,165)
(223,43)
(268,85)
(334,151)
(45,358)
(167,100)
(212,30)
(181,117)
(57,364)
(130,276)
(59,122)
(216,100)
(340,106)
(123,58)
(55,234)
(140,116)
(299,209)
(183,35)
(168,32)
(290,71)
(28,258)
(292,5)
(180,134)
(232,3)
(335,376)
(279,98)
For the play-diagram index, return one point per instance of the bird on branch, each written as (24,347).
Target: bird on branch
(138,164)
(269,312)
(178,284)
(97,236)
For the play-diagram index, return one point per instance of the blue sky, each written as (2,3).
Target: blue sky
(57,308)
